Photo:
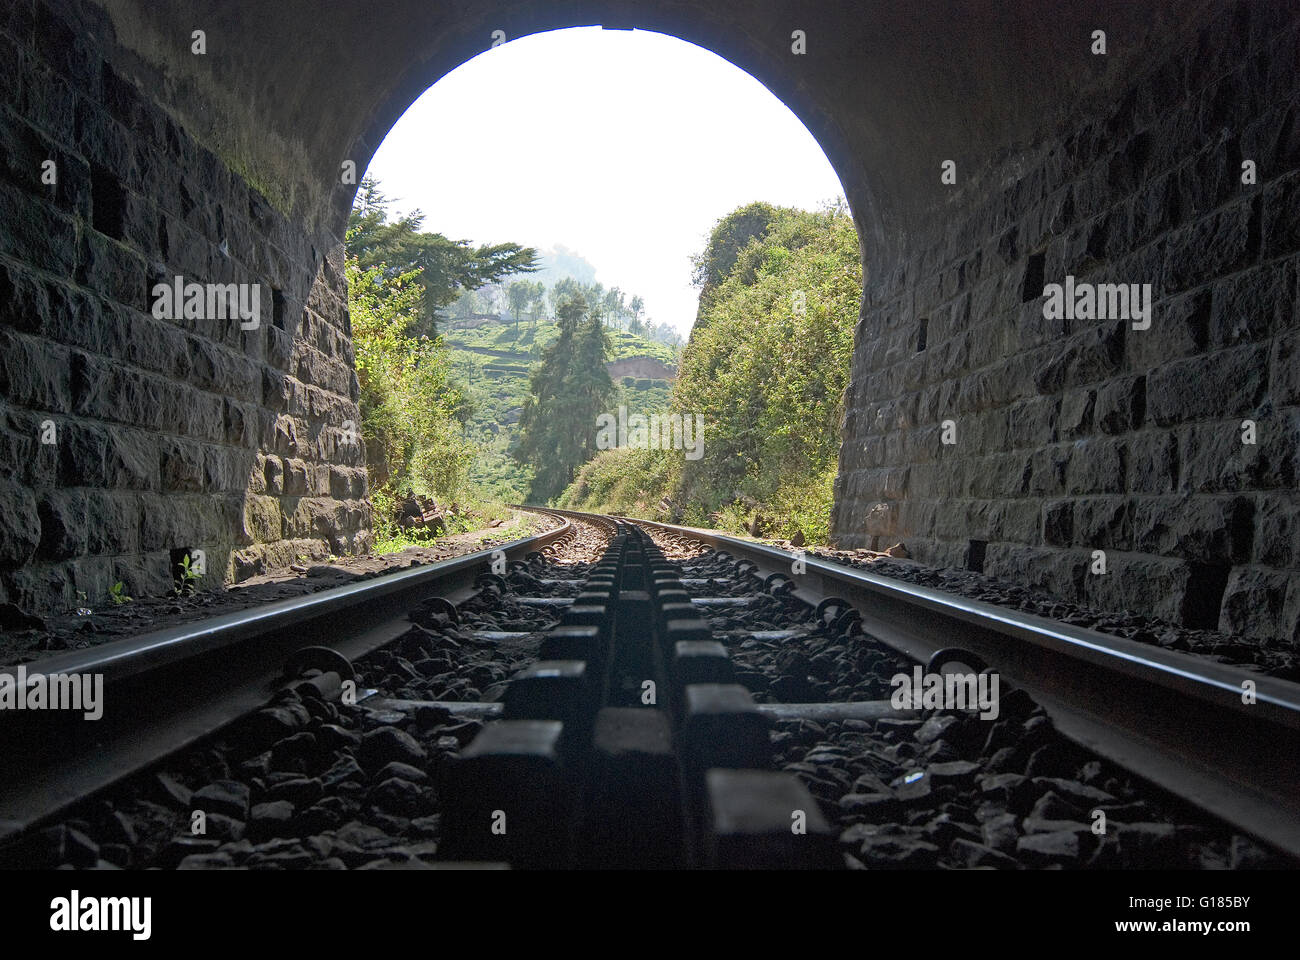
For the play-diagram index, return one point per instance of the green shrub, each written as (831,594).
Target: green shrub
(409,402)
(622,481)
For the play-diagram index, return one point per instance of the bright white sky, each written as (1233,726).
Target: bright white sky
(624,146)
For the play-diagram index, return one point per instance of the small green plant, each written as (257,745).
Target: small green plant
(117,594)
(189,576)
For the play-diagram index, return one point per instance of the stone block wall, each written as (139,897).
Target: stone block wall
(1074,436)
(126,440)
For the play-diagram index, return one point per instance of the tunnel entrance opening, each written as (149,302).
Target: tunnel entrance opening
(673,171)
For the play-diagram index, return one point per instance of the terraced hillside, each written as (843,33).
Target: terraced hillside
(494,358)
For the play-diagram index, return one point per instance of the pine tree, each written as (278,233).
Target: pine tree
(446,267)
(593,388)
(568,390)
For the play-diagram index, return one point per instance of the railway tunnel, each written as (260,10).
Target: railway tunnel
(987,150)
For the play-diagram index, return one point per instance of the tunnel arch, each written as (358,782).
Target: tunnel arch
(707,32)
(712,153)
(1116,165)
(888,90)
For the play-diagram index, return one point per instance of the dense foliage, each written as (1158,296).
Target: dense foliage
(767,365)
(493,361)
(626,481)
(729,237)
(411,410)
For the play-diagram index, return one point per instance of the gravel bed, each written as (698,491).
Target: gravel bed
(951,790)
(954,791)
(438,659)
(306,783)
(302,784)
(824,662)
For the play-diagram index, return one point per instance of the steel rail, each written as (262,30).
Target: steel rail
(167,689)
(1224,738)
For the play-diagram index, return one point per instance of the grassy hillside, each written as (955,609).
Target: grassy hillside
(494,360)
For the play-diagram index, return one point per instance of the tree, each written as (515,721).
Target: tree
(594,294)
(592,386)
(569,389)
(469,304)
(614,307)
(518,295)
(566,288)
(537,303)
(492,298)
(446,267)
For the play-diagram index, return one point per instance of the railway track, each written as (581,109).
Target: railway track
(169,689)
(620,693)
(1223,738)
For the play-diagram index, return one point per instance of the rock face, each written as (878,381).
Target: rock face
(126,438)
(644,368)
(1082,435)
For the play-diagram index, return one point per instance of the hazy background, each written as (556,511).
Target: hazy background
(623,146)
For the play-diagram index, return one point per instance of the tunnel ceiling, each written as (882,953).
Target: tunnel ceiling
(289,90)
